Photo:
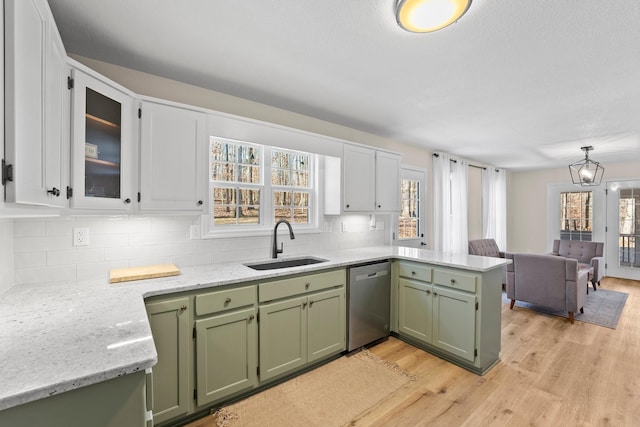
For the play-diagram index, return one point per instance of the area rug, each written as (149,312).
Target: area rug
(331,395)
(603,307)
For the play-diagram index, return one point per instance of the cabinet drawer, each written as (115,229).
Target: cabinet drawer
(461,281)
(228,299)
(300,285)
(415,271)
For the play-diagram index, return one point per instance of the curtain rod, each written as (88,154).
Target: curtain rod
(473,166)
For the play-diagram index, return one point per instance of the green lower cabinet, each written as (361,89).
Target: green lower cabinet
(454,322)
(441,317)
(301,330)
(326,324)
(119,402)
(170,326)
(415,313)
(226,355)
(283,337)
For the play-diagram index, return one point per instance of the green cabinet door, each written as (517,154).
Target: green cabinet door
(454,322)
(415,311)
(283,336)
(172,336)
(326,324)
(226,355)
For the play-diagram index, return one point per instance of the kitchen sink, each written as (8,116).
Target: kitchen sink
(285,263)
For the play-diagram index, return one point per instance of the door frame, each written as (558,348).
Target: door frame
(611,246)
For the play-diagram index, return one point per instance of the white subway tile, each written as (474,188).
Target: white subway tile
(193,259)
(44,274)
(172,249)
(125,253)
(81,255)
(147,239)
(30,259)
(99,269)
(23,228)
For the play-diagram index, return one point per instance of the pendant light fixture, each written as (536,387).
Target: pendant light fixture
(586,172)
(425,16)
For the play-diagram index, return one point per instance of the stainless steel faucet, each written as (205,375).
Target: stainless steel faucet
(277,251)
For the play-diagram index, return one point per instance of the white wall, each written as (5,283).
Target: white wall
(527,203)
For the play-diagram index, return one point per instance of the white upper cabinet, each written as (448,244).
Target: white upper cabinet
(102,143)
(371,180)
(36,105)
(387,181)
(359,179)
(173,157)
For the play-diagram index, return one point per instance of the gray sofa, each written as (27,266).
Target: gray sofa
(588,254)
(547,280)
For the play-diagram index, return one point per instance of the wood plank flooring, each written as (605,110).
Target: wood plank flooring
(551,373)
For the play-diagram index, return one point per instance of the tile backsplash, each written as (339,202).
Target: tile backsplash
(43,248)
(6,253)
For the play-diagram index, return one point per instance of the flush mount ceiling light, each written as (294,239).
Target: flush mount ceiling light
(425,16)
(586,172)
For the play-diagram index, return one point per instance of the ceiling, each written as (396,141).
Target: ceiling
(517,84)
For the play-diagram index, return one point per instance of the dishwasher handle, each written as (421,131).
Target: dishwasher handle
(366,276)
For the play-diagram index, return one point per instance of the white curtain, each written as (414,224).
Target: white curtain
(450,204)
(494,206)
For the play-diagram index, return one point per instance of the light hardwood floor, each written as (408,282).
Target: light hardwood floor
(551,373)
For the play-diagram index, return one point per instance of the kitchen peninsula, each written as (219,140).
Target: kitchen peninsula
(64,336)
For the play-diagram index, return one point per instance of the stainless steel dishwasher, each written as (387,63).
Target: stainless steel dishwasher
(368,298)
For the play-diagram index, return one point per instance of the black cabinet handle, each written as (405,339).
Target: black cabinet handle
(54,192)
(127,201)
(199,203)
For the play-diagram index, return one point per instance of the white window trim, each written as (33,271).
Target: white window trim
(210,231)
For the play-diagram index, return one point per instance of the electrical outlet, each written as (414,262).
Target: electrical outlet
(81,236)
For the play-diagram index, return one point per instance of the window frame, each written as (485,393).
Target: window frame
(553,211)
(266,222)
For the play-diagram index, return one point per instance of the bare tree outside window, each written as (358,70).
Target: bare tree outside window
(576,215)
(409,220)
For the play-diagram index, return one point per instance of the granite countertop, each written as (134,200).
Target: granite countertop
(61,336)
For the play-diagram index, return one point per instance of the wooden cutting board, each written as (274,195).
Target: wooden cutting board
(118,275)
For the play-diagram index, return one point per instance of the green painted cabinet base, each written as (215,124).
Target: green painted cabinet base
(119,402)
(453,313)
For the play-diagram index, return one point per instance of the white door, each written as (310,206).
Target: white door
(409,226)
(623,230)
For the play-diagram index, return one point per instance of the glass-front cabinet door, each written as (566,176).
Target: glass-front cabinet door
(102,144)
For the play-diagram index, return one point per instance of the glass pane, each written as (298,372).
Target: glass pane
(282,198)
(409,221)
(223,172)
(249,215)
(102,146)
(629,227)
(249,155)
(301,199)
(224,196)
(282,213)
(249,197)
(300,215)
(249,174)
(222,151)
(280,177)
